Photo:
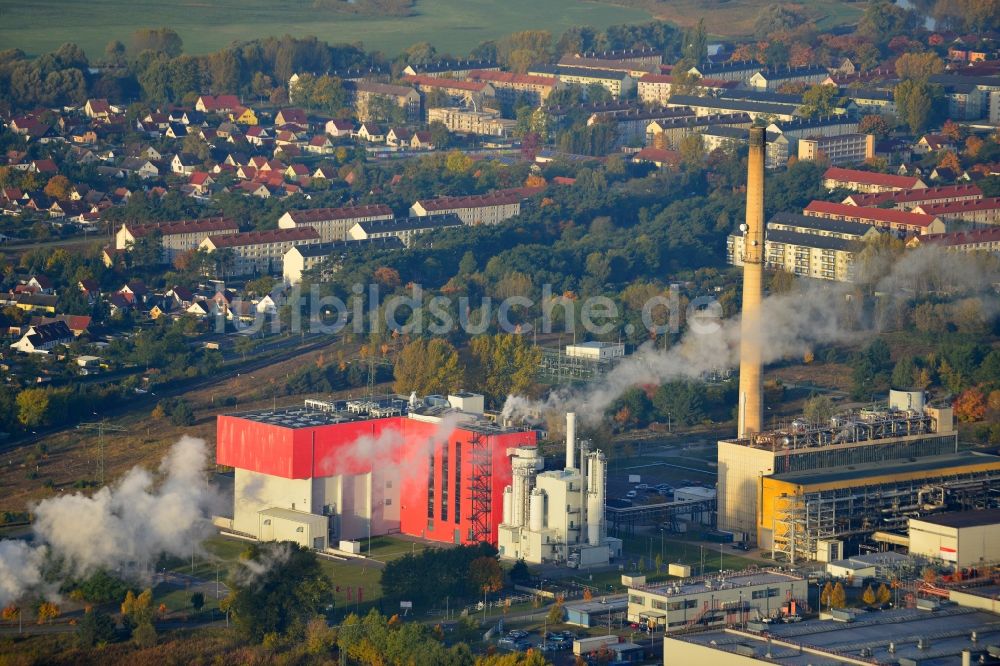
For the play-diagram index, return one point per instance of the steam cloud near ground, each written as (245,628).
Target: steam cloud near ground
(123,526)
(811,314)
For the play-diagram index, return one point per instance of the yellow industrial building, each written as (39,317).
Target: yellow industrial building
(800,491)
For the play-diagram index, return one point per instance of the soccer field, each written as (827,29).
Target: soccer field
(453,26)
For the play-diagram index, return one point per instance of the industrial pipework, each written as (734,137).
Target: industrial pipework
(751,405)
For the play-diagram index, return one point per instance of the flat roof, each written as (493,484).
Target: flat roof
(818,642)
(964,518)
(594,606)
(852,472)
(741,579)
(316,413)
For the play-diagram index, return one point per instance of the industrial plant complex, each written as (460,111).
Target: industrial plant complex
(870,494)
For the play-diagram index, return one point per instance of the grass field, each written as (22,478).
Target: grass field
(454,26)
(728,18)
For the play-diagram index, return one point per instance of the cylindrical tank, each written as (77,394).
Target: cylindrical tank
(508,503)
(905,400)
(536,510)
(570,440)
(595,498)
(518,492)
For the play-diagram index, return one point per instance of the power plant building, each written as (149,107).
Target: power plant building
(558,515)
(339,471)
(803,490)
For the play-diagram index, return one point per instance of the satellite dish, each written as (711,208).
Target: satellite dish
(743,227)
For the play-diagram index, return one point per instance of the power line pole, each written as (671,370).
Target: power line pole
(101,427)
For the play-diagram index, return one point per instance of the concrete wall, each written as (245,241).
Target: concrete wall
(740,470)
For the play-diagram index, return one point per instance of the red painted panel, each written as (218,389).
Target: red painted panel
(255,446)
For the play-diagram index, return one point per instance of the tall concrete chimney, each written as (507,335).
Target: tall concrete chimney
(570,440)
(751,404)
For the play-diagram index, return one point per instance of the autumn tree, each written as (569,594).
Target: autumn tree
(486,574)
(973,145)
(505,364)
(868,597)
(970,405)
(160,40)
(838,598)
(919,66)
(387,277)
(826,595)
(883,595)
(428,367)
(818,409)
(819,100)
(58,187)
(914,103)
(949,160)
(874,124)
(47,611)
(32,407)
(556,612)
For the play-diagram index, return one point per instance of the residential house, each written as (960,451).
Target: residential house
(291,117)
(320,145)
(646,56)
(367,93)
(738,70)
(619,84)
(97,108)
(140,166)
(839,150)
(302,258)
(43,338)
(476,209)
(706,106)
(772,79)
(258,252)
(371,133)
(902,223)
(872,101)
(910,199)
(177,236)
(77,324)
(982,211)
(868,181)
(474,93)
(221,104)
(973,240)
(185,164)
(339,128)
(486,122)
(37,302)
(405,229)
(510,87)
(812,247)
(333,224)
(660,157)
(669,132)
(452,69)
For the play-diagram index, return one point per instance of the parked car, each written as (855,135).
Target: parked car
(631,494)
(517,633)
(642,486)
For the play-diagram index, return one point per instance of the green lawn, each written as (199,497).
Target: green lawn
(454,26)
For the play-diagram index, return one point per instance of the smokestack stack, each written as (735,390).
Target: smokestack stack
(570,440)
(751,405)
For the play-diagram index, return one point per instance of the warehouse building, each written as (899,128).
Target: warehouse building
(720,599)
(339,471)
(958,635)
(963,539)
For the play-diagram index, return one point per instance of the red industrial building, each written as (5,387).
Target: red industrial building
(332,472)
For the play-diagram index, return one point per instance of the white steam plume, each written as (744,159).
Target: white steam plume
(793,323)
(272,554)
(124,525)
(20,569)
(382,453)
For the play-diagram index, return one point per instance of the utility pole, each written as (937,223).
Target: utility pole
(101,427)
